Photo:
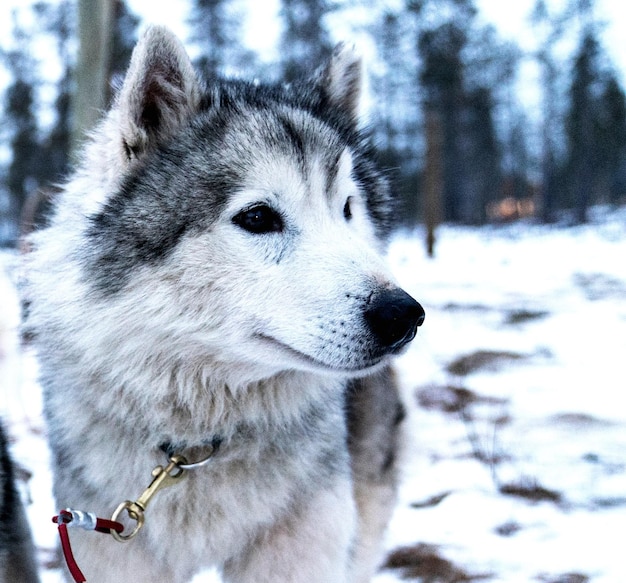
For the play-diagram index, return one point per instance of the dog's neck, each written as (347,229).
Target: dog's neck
(219,414)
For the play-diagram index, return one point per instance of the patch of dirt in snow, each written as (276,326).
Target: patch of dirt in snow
(480,360)
(425,563)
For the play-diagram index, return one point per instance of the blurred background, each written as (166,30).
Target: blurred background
(485,111)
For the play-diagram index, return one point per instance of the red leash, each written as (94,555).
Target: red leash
(86,521)
(162,477)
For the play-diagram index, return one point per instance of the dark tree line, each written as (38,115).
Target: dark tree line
(40,157)
(439,75)
(584,142)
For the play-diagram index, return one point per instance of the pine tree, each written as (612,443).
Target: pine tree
(59,21)
(612,138)
(397,126)
(305,41)
(583,159)
(442,81)
(216,30)
(481,154)
(465,74)
(553,26)
(20,123)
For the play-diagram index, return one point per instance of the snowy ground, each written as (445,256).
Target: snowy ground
(515,467)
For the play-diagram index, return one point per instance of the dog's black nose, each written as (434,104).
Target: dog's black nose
(393,317)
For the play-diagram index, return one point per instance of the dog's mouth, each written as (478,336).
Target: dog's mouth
(319,365)
(390,321)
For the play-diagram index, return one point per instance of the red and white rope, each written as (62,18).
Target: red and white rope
(87,521)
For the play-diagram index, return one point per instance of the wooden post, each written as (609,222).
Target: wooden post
(95,31)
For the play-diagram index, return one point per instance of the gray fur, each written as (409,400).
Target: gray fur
(212,274)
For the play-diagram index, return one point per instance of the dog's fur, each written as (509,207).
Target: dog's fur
(17,554)
(213,274)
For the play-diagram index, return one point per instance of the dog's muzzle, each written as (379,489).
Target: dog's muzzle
(393,317)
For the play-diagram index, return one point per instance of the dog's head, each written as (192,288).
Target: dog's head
(243,222)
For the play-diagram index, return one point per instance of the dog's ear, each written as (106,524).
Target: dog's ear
(340,80)
(159,93)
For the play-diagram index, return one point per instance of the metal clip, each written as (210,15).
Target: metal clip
(162,478)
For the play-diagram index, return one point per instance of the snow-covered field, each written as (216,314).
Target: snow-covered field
(515,465)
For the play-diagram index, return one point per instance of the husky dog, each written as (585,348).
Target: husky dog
(17,554)
(213,276)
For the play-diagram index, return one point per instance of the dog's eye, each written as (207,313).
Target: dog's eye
(259,219)
(347,211)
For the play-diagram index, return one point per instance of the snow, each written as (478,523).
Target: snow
(550,304)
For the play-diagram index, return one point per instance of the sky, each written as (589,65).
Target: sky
(262,28)
(510,18)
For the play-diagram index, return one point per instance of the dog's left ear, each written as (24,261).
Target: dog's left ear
(160,92)
(340,80)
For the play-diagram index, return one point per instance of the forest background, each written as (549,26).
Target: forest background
(447,98)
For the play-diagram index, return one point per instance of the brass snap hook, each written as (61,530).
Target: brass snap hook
(162,478)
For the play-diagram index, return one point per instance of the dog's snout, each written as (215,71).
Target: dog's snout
(393,317)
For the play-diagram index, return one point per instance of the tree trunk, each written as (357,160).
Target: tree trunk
(433,178)
(95,31)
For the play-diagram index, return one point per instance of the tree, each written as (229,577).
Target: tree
(22,173)
(59,21)
(489,77)
(305,41)
(118,41)
(21,125)
(432,180)
(466,75)
(481,153)
(518,169)
(390,81)
(611,138)
(550,28)
(442,80)
(95,34)
(397,125)
(217,33)
(583,159)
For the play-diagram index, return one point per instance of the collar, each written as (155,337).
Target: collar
(199,454)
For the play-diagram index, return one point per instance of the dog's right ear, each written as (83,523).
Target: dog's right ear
(159,93)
